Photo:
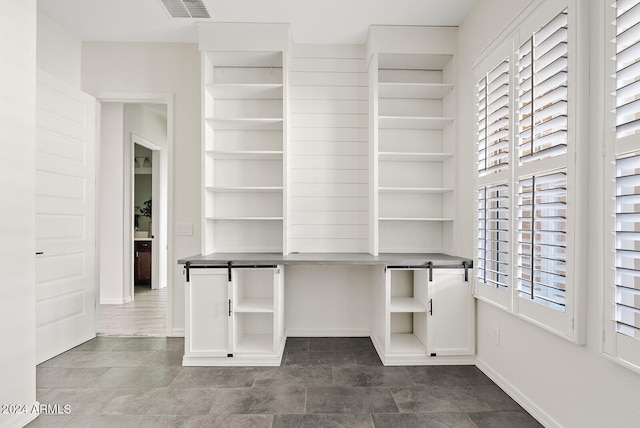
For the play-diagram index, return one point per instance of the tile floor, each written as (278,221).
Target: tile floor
(145,316)
(322,382)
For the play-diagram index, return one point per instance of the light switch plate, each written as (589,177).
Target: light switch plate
(184,229)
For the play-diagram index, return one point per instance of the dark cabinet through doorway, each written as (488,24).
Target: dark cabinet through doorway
(142,263)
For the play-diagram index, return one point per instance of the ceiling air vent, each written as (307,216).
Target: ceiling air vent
(186,8)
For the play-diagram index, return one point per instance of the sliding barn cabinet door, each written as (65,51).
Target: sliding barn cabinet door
(451,314)
(208,327)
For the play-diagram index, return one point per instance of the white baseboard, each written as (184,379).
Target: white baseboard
(327,332)
(176,332)
(540,415)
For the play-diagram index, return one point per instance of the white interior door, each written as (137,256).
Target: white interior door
(65,217)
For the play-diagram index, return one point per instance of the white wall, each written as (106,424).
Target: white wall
(327,300)
(328,179)
(561,383)
(17,216)
(58,51)
(141,69)
(111,179)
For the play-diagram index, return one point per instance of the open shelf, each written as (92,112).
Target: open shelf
(234,218)
(413,157)
(407,61)
(255,344)
(406,343)
(413,122)
(414,219)
(413,90)
(255,305)
(246,154)
(415,189)
(247,123)
(246,91)
(406,304)
(244,189)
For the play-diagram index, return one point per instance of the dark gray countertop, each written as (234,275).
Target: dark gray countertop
(438,260)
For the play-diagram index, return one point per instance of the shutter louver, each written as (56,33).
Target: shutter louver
(542,80)
(542,222)
(628,246)
(493,121)
(627,41)
(493,235)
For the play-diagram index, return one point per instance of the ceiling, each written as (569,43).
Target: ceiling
(318,21)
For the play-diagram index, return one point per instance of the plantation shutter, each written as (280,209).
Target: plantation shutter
(543,92)
(493,236)
(542,226)
(493,121)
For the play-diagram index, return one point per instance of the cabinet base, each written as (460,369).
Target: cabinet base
(254,360)
(238,359)
(399,359)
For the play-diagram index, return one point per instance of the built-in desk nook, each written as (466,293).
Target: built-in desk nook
(240,307)
(328,197)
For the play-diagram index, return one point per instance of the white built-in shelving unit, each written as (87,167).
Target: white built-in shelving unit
(347,182)
(244,151)
(412,150)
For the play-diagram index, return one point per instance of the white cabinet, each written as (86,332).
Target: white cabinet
(428,317)
(234,316)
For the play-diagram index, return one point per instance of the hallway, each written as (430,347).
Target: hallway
(145,316)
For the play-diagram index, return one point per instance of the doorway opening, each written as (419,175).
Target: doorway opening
(134,147)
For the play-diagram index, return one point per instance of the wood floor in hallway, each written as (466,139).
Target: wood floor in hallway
(145,316)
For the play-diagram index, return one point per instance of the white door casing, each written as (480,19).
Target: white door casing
(66,271)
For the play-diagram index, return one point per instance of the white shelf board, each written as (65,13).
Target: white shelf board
(246,154)
(406,343)
(246,59)
(246,249)
(255,344)
(406,304)
(246,91)
(253,189)
(253,305)
(247,123)
(234,218)
(415,189)
(414,219)
(402,61)
(413,157)
(413,90)
(414,122)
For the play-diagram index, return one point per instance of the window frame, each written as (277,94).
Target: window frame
(570,324)
(617,347)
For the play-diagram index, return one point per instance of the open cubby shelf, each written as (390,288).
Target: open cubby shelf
(415,107)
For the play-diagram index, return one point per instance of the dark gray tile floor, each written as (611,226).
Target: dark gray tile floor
(322,382)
